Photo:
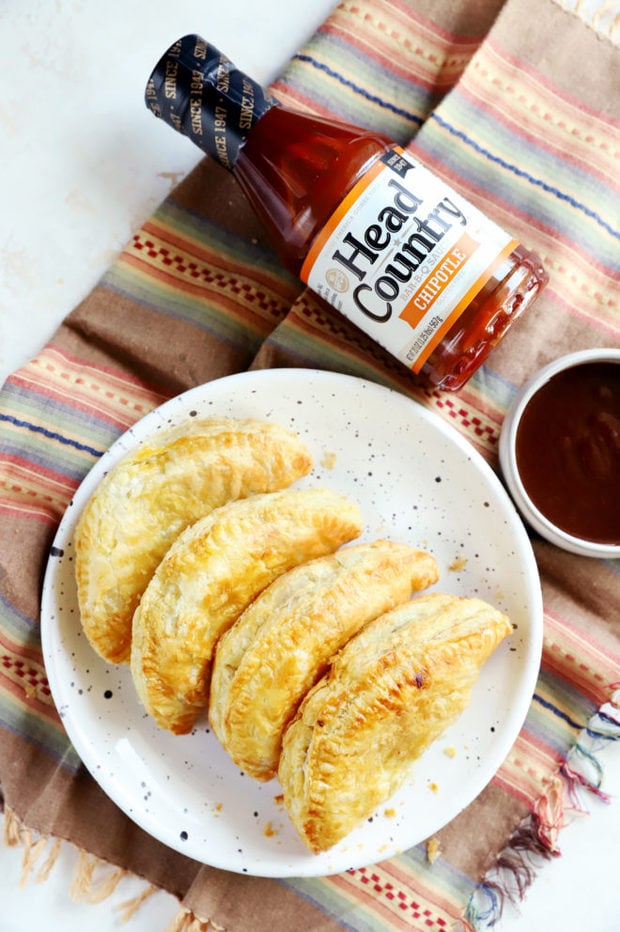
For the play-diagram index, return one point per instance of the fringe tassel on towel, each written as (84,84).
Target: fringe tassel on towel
(94,880)
(536,839)
(185,921)
(86,887)
(17,835)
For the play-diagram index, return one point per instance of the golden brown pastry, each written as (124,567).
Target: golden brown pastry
(281,644)
(211,573)
(152,495)
(391,691)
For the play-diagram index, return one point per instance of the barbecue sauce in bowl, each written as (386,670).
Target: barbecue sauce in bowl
(559,451)
(568,451)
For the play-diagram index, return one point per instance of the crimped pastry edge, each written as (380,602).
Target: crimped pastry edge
(313,610)
(397,669)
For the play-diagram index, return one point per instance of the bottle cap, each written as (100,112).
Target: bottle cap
(198,91)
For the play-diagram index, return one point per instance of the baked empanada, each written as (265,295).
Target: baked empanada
(390,692)
(281,644)
(210,574)
(152,495)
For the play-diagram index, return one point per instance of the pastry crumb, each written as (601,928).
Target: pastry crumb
(389,813)
(450,751)
(269,831)
(279,799)
(433,849)
(433,786)
(459,564)
(329,460)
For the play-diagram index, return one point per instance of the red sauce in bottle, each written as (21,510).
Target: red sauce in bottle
(568,451)
(296,188)
(297,171)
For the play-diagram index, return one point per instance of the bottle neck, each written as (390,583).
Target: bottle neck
(198,91)
(295,170)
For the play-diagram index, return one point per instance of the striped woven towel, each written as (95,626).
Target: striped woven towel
(506,114)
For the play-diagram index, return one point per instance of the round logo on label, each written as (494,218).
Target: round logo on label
(337,280)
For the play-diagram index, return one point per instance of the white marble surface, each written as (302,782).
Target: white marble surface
(83,164)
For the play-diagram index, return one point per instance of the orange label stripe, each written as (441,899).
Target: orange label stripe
(438,280)
(342,209)
(467,297)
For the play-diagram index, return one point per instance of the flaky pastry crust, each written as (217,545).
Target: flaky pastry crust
(210,574)
(153,494)
(390,692)
(282,643)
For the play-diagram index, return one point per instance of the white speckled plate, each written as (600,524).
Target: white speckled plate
(416,480)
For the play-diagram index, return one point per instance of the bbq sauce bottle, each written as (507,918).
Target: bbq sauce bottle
(361,221)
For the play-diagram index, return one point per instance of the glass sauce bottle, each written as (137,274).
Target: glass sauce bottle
(372,231)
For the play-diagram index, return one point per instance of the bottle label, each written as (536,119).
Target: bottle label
(403,256)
